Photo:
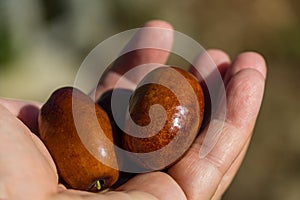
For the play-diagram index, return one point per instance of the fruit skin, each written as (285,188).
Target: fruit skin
(184,115)
(78,166)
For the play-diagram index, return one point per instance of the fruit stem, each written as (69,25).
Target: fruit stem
(98,185)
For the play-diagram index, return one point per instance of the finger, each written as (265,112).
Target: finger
(245,66)
(237,67)
(207,62)
(229,175)
(26,111)
(209,68)
(244,95)
(151,44)
(247,60)
(24,171)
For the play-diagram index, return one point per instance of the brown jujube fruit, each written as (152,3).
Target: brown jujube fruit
(79,158)
(184,114)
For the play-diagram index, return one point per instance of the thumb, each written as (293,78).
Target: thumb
(25,173)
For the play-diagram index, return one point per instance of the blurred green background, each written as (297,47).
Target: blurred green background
(43,42)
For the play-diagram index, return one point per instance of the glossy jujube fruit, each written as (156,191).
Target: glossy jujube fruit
(182,98)
(69,125)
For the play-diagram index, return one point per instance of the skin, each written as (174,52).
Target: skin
(28,172)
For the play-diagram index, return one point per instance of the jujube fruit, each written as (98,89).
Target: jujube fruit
(83,152)
(182,98)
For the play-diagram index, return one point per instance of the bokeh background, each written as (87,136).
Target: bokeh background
(43,42)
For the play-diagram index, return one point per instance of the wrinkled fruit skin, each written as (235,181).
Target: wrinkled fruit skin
(79,159)
(184,114)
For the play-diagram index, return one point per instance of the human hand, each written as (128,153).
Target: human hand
(27,171)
